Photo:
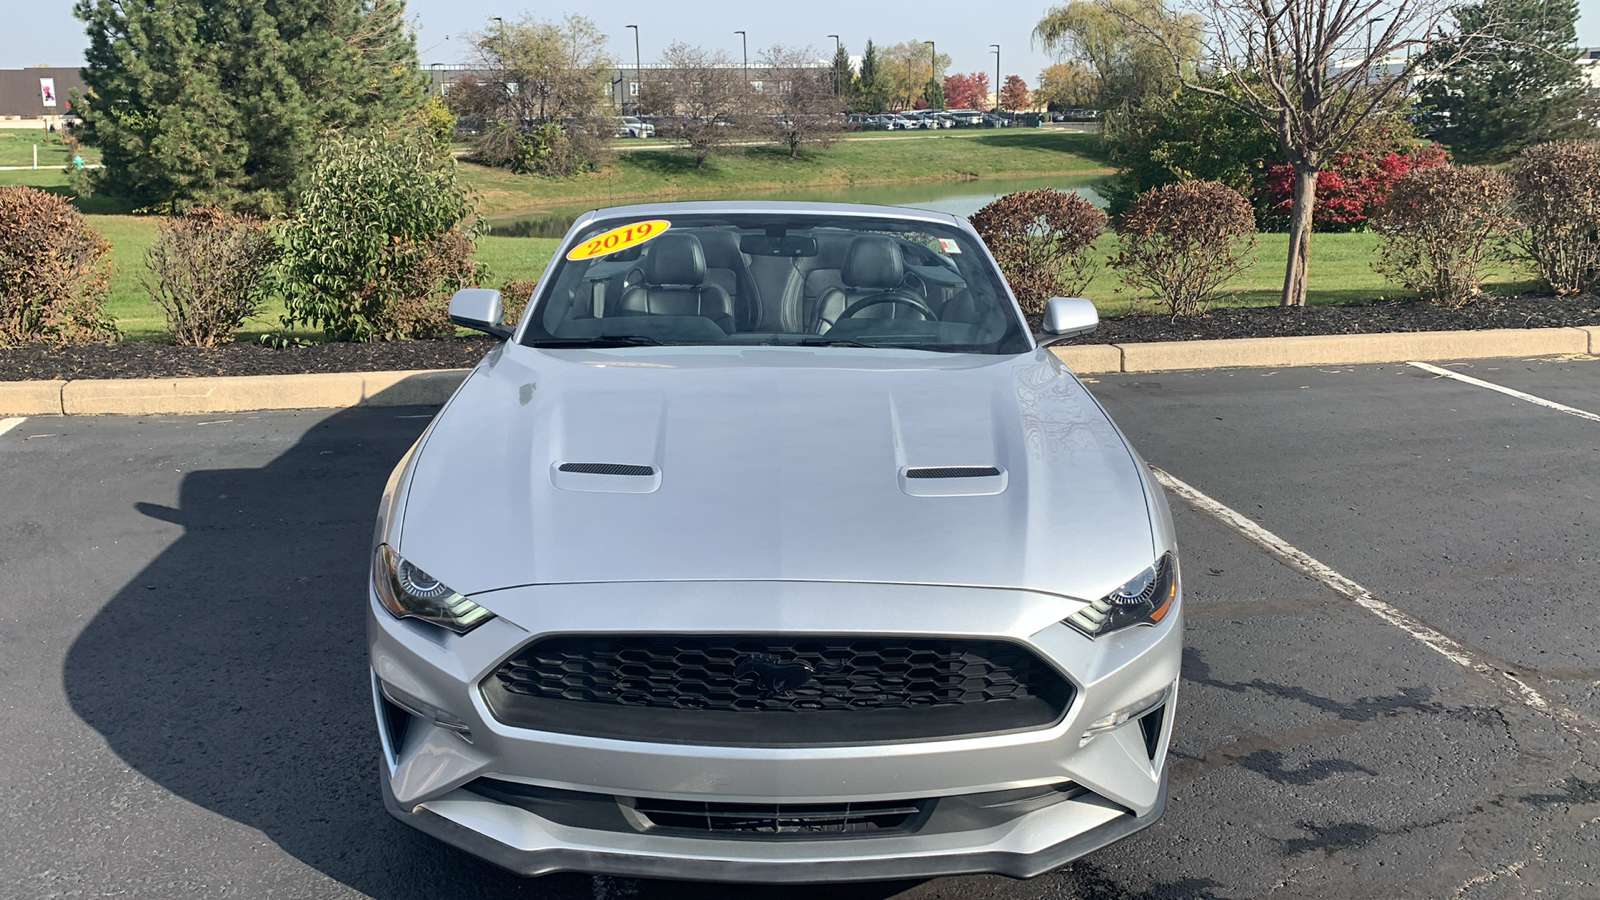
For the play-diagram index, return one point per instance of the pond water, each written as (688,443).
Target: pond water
(961,198)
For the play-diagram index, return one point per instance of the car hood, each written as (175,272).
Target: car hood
(773,463)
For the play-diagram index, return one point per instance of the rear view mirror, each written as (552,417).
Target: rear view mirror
(788,245)
(1066,317)
(481,310)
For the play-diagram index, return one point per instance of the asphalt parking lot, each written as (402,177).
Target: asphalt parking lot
(1390,687)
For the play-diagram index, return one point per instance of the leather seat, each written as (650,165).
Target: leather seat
(872,265)
(728,268)
(675,284)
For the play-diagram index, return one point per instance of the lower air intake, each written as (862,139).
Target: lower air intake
(778,819)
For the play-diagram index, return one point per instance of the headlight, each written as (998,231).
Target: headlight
(410,593)
(1144,600)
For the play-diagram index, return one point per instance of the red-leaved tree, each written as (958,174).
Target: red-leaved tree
(1350,188)
(966,91)
(1014,94)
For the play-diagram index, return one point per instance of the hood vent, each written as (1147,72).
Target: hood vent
(952,481)
(953,472)
(605,478)
(611,469)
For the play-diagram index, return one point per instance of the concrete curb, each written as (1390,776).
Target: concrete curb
(188,396)
(1350,349)
(431,387)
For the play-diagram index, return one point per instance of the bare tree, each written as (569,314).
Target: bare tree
(802,107)
(1313,71)
(701,96)
(533,72)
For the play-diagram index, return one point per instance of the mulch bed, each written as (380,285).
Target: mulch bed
(1488,311)
(151,360)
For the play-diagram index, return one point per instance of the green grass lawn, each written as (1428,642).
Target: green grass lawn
(16,148)
(666,173)
(140,319)
(1341,272)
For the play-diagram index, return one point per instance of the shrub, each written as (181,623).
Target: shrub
(209,271)
(53,272)
(423,308)
(1349,189)
(1041,239)
(515,294)
(548,148)
(1439,225)
(1557,198)
(381,237)
(1180,243)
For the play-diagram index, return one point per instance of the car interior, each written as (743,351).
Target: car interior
(907,284)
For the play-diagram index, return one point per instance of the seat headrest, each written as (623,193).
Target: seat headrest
(722,249)
(831,249)
(873,261)
(675,259)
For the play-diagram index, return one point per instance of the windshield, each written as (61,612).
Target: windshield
(776,279)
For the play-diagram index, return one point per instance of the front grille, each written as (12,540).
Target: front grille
(810,819)
(740,689)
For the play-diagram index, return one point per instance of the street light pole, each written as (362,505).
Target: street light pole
(996,76)
(1367,76)
(638,70)
(838,90)
(933,69)
(745,43)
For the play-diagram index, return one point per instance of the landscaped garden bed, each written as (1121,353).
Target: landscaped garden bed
(145,359)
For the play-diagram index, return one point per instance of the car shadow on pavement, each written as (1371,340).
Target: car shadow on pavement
(232,672)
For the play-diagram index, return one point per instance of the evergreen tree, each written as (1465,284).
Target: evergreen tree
(843,73)
(933,94)
(207,102)
(1518,85)
(871,93)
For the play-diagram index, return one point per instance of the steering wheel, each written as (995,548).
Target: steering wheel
(890,296)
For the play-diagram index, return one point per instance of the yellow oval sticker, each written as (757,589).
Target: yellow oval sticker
(619,239)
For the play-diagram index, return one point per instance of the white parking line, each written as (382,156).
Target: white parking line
(1549,404)
(8,424)
(1434,640)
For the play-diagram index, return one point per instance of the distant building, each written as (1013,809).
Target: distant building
(1589,62)
(42,92)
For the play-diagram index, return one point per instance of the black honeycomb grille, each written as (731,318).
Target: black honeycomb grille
(737,689)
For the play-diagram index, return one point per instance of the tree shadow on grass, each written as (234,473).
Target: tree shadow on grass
(232,671)
(674,162)
(1077,143)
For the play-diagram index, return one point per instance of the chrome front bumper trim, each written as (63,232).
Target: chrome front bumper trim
(522,842)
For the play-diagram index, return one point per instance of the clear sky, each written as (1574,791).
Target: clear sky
(46,32)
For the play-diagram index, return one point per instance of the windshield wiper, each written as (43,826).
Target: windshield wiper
(604,340)
(832,342)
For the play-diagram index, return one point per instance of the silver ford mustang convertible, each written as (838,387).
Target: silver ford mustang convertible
(770,545)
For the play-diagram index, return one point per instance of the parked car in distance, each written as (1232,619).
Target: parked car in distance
(633,127)
(965,116)
(772,545)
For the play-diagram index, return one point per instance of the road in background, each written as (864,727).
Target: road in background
(184,694)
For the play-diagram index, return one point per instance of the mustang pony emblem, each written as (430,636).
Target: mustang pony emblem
(774,677)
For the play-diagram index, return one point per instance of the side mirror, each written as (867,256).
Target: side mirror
(1066,317)
(481,310)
